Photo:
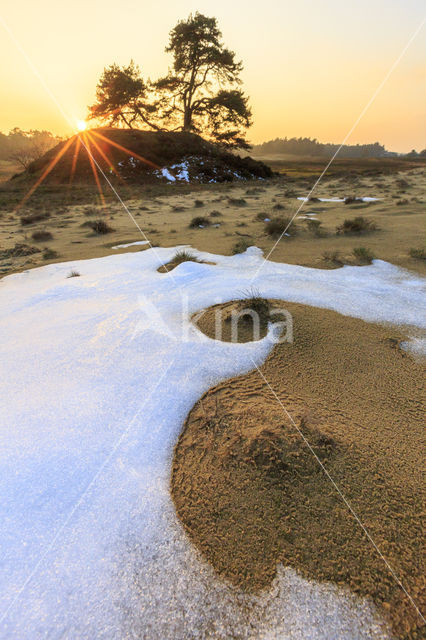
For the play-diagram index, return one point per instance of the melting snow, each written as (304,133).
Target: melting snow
(99,373)
(130,244)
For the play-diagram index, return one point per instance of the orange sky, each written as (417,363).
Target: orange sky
(310,66)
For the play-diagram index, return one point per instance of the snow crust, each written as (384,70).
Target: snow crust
(364,199)
(98,375)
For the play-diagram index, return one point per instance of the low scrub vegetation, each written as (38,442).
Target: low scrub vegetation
(356,225)
(241,245)
(199,222)
(33,217)
(333,257)
(198,204)
(315,227)
(73,274)
(363,255)
(278,226)
(50,254)
(98,226)
(42,236)
(237,202)
(418,254)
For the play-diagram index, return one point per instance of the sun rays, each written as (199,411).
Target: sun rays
(98,149)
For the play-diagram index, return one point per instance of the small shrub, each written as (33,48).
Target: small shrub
(333,257)
(99,226)
(50,254)
(241,245)
(314,227)
(277,226)
(418,254)
(237,202)
(356,225)
(42,236)
(20,249)
(363,255)
(34,217)
(215,214)
(177,208)
(260,217)
(278,207)
(198,204)
(73,274)
(353,200)
(199,221)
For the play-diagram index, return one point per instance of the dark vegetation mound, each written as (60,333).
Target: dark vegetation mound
(147,156)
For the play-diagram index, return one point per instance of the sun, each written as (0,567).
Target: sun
(81,125)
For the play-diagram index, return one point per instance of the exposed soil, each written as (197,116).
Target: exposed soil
(251,494)
(165,212)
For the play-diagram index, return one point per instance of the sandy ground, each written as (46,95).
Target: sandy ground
(236,213)
(251,494)
(349,381)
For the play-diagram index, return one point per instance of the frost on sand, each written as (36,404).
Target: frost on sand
(99,374)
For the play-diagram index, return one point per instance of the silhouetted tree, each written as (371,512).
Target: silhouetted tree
(122,97)
(200,93)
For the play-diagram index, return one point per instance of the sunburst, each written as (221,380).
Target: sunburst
(85,139)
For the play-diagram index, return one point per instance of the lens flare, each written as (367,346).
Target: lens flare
(81,125)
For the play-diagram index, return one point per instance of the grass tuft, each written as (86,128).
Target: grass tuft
(199,221)
(42,236)
(363,255)
(241,245)
(356,225)
(277,226)
(418,254)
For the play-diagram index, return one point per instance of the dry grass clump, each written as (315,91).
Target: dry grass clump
(363,255)
(20,249)
(215,214)
(255,302)
(314,227)
(356,225)
(50,254)
(278,207)
(333,257)
(100,227)
(73,274)
(237,202)
(34,217)
(241,245)
(198,204)
(353,200)
(418,254)
(199,222)
(42,236)
(182,255)
(278,226)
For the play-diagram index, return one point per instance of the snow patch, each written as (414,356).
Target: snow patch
(98,375)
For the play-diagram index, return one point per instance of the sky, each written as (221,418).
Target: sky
(310,66)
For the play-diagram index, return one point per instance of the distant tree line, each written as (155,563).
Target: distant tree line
(23,147)
(311,147)
(201,92)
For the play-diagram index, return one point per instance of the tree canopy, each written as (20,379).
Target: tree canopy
(201,92)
